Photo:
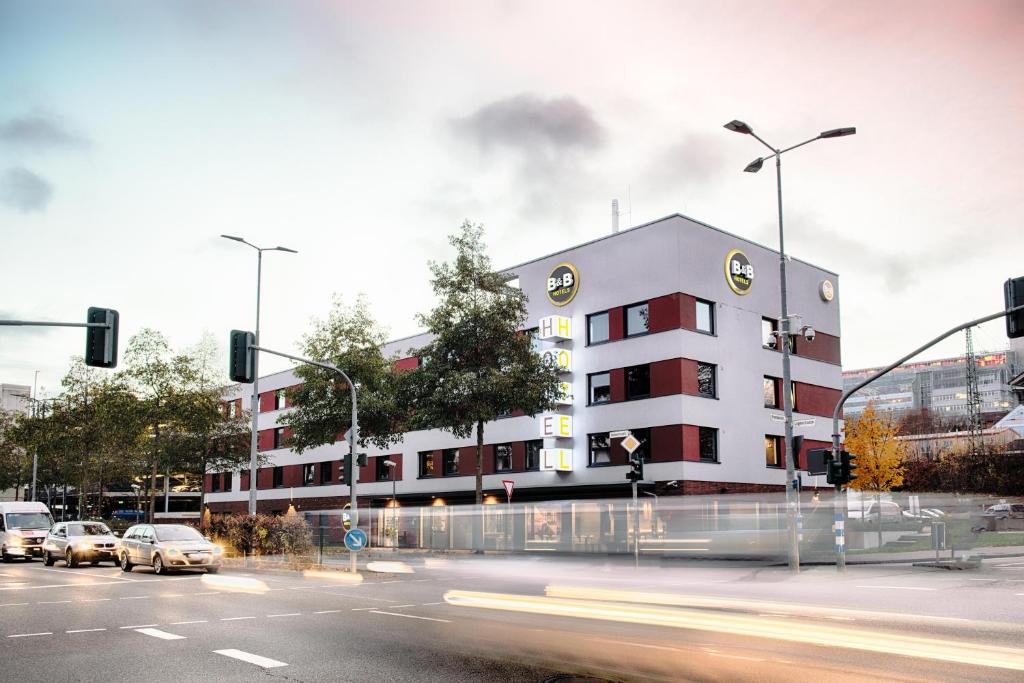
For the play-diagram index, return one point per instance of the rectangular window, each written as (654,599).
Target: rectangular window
(768,327)
(533,454)
(228,476)
(382,471)
(772,391)
(600,449)
(636,319)
(279,437)
(278,478)
(308,474)
(325,473)
(705,316)
(638,382)
(599,388)
(279,401)
(427,464)
(450,458)
(215,482)
(597,328)
(706,384)
(232,409)
(503,457)
(772,451)
(644,449)
(708,437)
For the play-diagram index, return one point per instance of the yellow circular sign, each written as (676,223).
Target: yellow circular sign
(563,283)
(739,272)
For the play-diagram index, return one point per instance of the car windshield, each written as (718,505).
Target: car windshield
(94,529)
(178,533)
(29,520)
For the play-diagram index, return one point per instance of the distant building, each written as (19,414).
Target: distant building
(14,398)
(1016,355)
(1006,435)
(938,387)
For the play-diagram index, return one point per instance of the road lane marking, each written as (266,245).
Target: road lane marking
(157,633)
(96,600)
(236,618)
(86,630)
(397,606)
(363,609)
(264,662)
(13,604)
(290,614)
(29,635)
(328,611)
(197,621)
(54,602)
(905,588)
(428,604)
(213,593)
(58,585)
(410,616)
(135,597)
(172,595)
(140,626)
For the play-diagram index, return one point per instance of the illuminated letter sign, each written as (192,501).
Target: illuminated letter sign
(565,395)
(739,272)
(561,358)
(556,460)
(563,283)
(555,426)
(555,327)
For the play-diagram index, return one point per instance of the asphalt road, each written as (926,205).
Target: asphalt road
(523,619)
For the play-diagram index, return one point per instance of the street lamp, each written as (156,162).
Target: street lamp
(393,466)
(785,334)
(255,407)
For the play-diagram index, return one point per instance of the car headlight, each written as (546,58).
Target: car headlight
(217,550)
(83,546)
(173,551)
(17,540)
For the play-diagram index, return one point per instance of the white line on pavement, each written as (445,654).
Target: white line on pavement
(29,635)
(13,604)
(236,618)
(290,614)
(54,602)
(410,616)
(135,597)
(140,626)
(427,604)
(363,609)
(213,593)
(397,606)
(58,585)
(172,595)
(328,611)
(96,600)
(196,621)
(264,662)
(86,630)
(904,588)
(157,633)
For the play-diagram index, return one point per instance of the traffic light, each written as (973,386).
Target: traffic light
(834,475)
(242,357)
(795,445)
(847,460)
(101,342)
(636,469)
(817,461)
(347,465)
(1013,295)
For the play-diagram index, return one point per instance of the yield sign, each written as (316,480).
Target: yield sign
(509,485)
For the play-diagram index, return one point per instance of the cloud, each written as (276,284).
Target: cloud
(532,125)
(690,164)
(28,330)
(23,190)
(37,132)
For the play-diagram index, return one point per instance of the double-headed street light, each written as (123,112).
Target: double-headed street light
(255,407)
(785,333)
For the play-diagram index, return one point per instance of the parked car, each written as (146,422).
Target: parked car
(1013,510)
(75,542)
(166,547)
(22,529)
(890,511)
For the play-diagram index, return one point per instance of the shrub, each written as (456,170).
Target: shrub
(263,534)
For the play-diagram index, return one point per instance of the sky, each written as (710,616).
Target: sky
(133,134)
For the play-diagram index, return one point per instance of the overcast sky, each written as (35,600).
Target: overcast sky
(362,133)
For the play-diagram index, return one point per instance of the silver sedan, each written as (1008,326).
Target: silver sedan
(168,546)
(75,542)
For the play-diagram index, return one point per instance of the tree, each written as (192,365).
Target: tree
(479,364)
(322,405)
(14,449)
(872,438)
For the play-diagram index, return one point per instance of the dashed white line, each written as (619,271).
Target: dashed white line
(135,597)
(264,662)
(328,611)
(157,633)
(213,593)
(14,604)
(196,621)
(54,602)
(363,609)
(172,595)
(290,614)
(410,616)
(96,600)
(428,604)
(29,635)
(86,630)
(236,618)
(139,626)
(397,606)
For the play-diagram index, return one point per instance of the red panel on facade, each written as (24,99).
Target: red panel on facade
(691,443)
(244,486)
(368,472)
(688,371)
(617,378)
(292,475)
(397,459)
(616,329)
(663,312)
(666,443)
(265,439)
(265,478)
(467,460)
(208,482)
(814,400)
(687,312)
(410,363)
(825,347)
(666,377)
(808,445)
(518,456)
(266,401)
(288,435)
(619,456)
(488,459)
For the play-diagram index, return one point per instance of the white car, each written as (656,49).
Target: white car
(23,528)
(75,542)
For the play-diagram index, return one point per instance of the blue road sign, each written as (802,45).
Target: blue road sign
(355,540)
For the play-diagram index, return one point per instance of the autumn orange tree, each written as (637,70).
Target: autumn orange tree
(872,438)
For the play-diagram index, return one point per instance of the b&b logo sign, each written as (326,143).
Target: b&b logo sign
(739,273)
(563,283)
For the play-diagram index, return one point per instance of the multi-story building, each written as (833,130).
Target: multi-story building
(660,330)
(936,386)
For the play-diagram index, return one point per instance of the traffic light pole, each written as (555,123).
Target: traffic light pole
(353,434)
(636,528)
(840,513)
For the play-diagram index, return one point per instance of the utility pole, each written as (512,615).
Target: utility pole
(974,425)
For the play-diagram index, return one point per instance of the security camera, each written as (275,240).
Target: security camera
(772,341)
(389,463)
(672,484)
(809,333)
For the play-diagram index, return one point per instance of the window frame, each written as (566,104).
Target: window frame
(215,481)
(279,399)
(497,468)
(539,444)
(309,474)
(590,388)
(774,325)
(380,467)
(454,470)
(607,325)
(278,437)
(776,391)
(711,317)
(590,449)
(426,471)
(637,397)
(701,431)
(277,477)
(625,319)
(643,435)
(779,444)
(228,483)
(326,476)
(714,380)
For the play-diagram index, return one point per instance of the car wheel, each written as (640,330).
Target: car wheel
(212,570)
(70,559)
(4,556)
(48,558)
(158,565)
(126,565)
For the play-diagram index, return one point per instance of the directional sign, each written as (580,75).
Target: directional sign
(775,417)
(509,485)
(806,422)
(355,540)
(631,443)
(621,434)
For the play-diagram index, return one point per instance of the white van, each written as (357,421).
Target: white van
(23,528)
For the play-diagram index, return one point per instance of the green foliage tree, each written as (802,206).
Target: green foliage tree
(14,456)
(479,364)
